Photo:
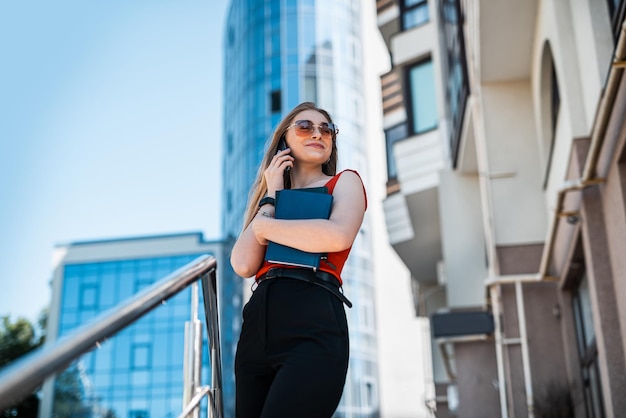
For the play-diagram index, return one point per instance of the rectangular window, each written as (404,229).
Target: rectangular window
(392,136)
(88,296)
(422,99)
(368,393)
(414,13)
(275,101)
(455,79)
(140,356)
(229,142)
(585,334)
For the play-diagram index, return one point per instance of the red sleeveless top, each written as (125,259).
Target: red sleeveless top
(334,262)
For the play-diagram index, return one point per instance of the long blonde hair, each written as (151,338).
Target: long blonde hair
(259,187)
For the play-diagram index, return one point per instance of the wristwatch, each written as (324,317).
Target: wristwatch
(267,201)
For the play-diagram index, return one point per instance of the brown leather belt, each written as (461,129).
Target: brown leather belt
(320,278)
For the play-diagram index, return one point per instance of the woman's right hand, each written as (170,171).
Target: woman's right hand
(275,171)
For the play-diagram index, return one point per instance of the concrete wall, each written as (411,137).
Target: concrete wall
(517,200)
(462,239)
(476,374)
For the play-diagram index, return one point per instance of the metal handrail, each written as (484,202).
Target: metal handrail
(24,375)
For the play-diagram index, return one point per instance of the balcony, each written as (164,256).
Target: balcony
(412,214)
(388,12)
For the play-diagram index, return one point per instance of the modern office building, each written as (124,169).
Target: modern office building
(278,54)
(139,372)
(508,203)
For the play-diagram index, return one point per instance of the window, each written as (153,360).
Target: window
(368,393)
(550,103)
(275,101)
(586,339)
(140,356)
(455,79)
(229,142)
(556,100)
(414,13)
(231,36)
(617,10)
(422,104)
(88,296)
(392,136)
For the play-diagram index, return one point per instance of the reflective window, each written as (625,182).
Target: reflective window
(414,13)
(423,105)
(88,296)
(392,136)
(141,356)
(456,82)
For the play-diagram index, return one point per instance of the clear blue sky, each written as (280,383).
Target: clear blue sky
(110,126)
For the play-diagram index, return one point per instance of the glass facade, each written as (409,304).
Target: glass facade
(138,372)
(278,54)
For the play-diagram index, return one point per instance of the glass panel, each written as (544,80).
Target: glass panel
(108,290)
(587,316)
(594,392)
(141,356)
(70,292)
(580,338)
(415,17)
(453,58)
(422,93)
(392,136)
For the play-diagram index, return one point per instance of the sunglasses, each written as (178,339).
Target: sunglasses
(306,128)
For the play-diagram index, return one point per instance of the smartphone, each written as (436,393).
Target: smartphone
(282,145)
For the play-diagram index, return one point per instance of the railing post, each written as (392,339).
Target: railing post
(192,374)
(209,290)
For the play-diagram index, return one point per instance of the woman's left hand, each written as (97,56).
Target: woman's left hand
(275,171)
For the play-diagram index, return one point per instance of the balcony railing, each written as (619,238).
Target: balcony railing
(26,374)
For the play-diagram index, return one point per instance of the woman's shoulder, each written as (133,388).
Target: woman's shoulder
(350,179)
(349,175)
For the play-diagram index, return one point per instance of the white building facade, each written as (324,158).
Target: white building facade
(510,213)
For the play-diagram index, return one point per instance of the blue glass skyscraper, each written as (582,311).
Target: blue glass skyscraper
(138,373)
(278,54)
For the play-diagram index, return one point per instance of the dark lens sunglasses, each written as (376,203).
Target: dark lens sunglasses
(306,128)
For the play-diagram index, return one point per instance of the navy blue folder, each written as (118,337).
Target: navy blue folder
(312,203)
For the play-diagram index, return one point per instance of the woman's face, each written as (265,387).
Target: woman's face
(310,137)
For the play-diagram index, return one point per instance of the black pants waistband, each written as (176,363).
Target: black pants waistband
(320,278)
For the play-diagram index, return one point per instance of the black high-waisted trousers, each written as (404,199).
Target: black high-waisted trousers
(292,355)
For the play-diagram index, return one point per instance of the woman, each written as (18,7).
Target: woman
(292,355)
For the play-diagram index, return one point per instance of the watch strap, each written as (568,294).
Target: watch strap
(267,201)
